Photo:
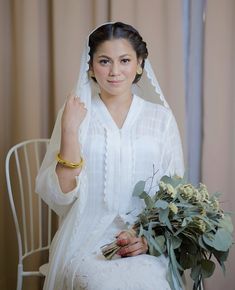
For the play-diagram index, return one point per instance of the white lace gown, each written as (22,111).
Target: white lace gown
(96,210)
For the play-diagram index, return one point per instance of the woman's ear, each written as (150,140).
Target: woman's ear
(91,73)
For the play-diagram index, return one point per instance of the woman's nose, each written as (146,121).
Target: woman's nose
(114,69)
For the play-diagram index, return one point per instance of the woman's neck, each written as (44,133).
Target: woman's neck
(113,102)
(118,107)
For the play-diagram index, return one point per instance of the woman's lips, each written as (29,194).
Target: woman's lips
(115,82)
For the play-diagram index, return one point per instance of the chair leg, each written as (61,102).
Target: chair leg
(19,277)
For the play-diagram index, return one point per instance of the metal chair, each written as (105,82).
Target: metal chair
(31,215)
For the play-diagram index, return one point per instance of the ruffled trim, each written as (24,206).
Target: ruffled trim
(133,158)
(106,167)
(151,76)
(84,67)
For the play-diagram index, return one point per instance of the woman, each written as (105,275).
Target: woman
(107,138)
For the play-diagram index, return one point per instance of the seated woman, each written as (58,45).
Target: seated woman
(107,137)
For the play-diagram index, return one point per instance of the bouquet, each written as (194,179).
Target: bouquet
(185,223)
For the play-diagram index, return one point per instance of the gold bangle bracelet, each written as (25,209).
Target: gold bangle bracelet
(68,164)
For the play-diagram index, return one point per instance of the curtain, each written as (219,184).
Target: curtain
(218,160)
(40,48)
(193,61)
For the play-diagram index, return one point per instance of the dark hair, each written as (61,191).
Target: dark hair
(115,31)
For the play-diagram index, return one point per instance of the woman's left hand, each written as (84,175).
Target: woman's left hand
(131,246)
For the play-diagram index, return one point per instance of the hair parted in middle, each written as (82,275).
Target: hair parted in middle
(119,30)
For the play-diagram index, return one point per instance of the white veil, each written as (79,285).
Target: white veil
(147,87)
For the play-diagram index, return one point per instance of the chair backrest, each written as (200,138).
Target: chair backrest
(32,217)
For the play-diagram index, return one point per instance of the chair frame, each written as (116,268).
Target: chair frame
(22,238)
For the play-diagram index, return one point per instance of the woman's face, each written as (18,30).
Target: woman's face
(114,66)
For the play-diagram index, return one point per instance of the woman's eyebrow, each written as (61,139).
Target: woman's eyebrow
(105,56)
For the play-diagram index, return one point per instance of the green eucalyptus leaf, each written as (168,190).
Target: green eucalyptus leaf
(169,225)
(195,272)
(221,256)
(143,219)
(147,199)
(169,277)
(139,188)
(175,265)
(191,247)
(175,242)
(226,223)
(155,244)
(208,238)
(202,244)
(223,240)
(184,204)
(223,267)
(161,241)
(207,268)
(180,230)
(187,260)
(174,180)
(184,223)
(141,231)
(163,215)
(162,204)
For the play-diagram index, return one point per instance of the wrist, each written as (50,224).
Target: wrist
(70,131)
(69,164)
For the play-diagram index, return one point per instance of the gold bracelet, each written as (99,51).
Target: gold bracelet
(68,164)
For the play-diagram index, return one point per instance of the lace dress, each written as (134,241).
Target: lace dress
(102,204)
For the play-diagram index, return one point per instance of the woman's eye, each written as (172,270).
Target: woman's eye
(125,60)
(104,61)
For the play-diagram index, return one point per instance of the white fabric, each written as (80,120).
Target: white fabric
(115,159)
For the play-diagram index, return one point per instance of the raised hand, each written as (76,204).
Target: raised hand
(73,115)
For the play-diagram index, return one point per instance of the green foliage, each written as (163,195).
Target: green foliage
(187,224)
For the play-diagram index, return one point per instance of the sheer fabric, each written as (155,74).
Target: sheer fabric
(101,204)
(97,209)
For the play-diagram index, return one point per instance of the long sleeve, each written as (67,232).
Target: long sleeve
(47,183)
(172,157)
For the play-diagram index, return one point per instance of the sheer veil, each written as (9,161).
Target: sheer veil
(147,87)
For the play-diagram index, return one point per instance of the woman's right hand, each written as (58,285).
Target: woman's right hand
(73,115)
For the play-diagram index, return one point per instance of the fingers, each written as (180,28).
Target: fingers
(132,246)
(126,234)
(71,98)
(123,236)
(73,115)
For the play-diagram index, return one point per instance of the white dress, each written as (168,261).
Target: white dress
(97,209)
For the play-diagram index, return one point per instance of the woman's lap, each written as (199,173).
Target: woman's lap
(143,272)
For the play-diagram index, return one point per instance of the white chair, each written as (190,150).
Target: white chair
(32,217)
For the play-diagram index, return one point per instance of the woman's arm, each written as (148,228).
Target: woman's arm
(72,117)
(52,181)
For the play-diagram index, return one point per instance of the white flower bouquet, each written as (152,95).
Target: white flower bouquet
(186,224)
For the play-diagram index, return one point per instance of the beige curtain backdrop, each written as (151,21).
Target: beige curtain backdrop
(40,47)
(219,110)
